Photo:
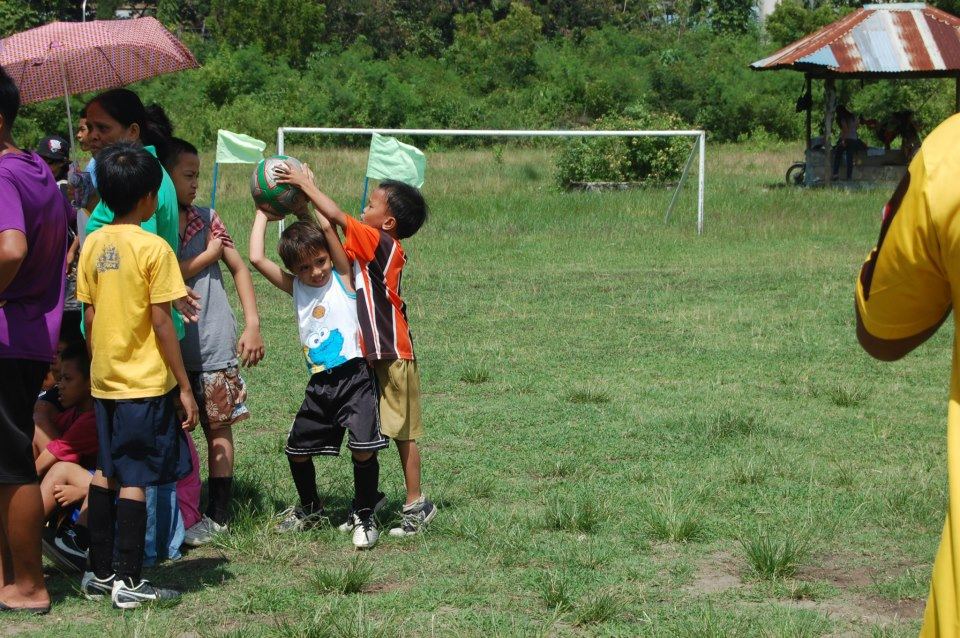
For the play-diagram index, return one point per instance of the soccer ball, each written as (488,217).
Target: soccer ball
(271,196)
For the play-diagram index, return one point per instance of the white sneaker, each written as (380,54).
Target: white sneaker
(296,519)
(353,520)
(202,532)
(199,534)
(365,534)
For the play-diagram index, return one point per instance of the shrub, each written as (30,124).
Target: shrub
(625,159)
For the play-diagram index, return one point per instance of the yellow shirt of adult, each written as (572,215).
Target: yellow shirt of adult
(906,286)
(122,271)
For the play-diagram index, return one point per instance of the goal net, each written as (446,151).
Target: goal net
(697,150)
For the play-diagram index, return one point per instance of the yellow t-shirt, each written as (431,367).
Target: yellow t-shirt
(122,271)
(906,286)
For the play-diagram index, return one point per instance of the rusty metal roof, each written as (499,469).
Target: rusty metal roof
(879,40)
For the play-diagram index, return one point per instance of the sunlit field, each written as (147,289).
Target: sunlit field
(632,430)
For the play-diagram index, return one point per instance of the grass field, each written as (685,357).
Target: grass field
(632,430)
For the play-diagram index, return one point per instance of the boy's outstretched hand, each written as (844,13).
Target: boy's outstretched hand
(250,347)
(191,413)
(287,174)
(188,306)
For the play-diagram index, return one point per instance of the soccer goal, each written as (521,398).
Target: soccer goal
(698,150)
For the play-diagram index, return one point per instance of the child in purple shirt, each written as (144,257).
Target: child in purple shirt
(33,247)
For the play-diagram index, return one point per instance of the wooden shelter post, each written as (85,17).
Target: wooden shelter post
(810,108)
(830,102)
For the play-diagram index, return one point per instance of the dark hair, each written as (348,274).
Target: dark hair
(407,206)
(76,351)
(9,99)
(126,173)
(125,106)
(70,326)
(175,148)
(300,241)
(82,114)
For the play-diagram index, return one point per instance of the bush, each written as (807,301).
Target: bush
(625,159)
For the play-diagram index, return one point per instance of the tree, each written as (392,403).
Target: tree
(16,17)
(792,20)
(290,29)
(19,15)
(732,16)
(497,53)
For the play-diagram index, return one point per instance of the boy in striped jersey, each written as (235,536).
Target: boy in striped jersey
(395,211)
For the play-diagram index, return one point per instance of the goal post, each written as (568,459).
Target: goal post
(699,136)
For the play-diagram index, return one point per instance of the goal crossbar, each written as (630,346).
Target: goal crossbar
(700,139)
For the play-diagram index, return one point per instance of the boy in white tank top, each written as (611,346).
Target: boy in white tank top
(341,395)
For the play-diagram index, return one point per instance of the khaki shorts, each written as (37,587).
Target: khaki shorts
(398,384)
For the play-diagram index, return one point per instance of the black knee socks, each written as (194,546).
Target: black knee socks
(101,521)
(366,477)
(131,536)
(218,505)
(305,479)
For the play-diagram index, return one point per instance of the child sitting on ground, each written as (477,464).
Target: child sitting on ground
(66,465)
(340,395)
(47,408)
(210,348)
(395,211)
(128,279)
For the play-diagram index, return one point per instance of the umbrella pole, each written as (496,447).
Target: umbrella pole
(66,100)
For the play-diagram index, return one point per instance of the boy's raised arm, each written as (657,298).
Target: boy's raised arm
(274,273)
(337,254)
(303,179)
(170,348)
(250,345)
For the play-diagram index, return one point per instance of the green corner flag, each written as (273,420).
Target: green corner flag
(237,148)
(392,159)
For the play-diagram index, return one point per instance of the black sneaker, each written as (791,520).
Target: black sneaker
(127,596)
(68,542)
(65,560)
(94,588)
(353,520)
(416,516)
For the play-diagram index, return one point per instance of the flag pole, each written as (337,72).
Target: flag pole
(363,200)
(213,189)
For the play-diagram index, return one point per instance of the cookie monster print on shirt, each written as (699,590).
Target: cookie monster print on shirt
(327,318)
(323,349)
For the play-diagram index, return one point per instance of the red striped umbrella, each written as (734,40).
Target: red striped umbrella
(63,58)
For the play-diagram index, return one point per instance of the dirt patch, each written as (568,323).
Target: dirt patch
(715,573)
(832,570)
(853,604)
(864,609)
(386,588)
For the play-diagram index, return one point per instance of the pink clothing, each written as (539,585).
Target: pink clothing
(188,490)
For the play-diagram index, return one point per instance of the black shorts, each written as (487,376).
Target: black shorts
(20,383)
(336,401)
(141,441)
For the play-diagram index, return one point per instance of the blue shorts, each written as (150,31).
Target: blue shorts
(141,441)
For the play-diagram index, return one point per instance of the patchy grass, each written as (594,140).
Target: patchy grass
(609,401)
